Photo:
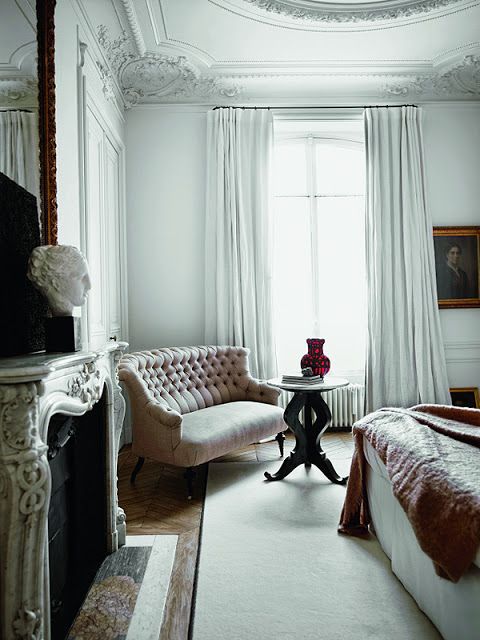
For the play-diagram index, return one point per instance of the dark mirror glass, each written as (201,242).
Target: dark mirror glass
(23,311)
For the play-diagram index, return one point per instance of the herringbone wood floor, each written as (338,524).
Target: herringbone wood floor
(157,504)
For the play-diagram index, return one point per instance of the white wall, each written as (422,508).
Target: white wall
(67,119)
(91,207)
(165,204)
(165,225)
(452,156)
(70,30)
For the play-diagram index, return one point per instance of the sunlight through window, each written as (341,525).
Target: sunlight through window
(319,249)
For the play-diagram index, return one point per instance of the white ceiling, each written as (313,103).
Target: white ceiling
(220,36)
(272,51)
(257,50)
(17,53)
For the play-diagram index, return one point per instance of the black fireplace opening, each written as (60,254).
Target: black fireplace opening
(77,517)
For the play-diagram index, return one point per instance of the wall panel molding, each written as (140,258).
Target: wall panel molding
(462,351)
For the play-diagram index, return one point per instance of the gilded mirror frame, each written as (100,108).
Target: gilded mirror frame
(46,112)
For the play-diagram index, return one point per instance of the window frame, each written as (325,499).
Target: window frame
(310,140)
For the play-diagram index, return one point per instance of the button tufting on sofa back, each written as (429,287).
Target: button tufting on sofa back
(190,378)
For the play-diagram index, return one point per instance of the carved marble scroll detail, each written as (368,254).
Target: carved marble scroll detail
(25,490)
(25,478)
(119,408)
(27,624)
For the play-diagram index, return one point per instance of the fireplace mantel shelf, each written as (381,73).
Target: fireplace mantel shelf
(32,389)
(37,366)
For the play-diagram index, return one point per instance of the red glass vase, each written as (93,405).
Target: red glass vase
(315,358)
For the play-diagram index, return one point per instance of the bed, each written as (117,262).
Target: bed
(446,590)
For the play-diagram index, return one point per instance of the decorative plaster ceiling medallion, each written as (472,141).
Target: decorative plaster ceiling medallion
(340,11)
(156,77)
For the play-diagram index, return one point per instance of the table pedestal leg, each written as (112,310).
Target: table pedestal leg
(307,450)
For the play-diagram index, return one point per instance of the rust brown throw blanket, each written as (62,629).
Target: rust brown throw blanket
(433,462)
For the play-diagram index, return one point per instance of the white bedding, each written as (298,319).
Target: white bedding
(453,607)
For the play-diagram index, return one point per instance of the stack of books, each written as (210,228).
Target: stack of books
(299,379)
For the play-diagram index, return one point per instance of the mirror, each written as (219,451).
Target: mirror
(27,104)
(27,176)
(19,159)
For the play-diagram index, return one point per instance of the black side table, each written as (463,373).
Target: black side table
(308,450)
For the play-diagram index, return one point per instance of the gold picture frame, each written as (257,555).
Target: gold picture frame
(457,266)
(465,397)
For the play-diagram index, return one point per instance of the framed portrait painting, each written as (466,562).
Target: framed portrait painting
(457,266)
(465,397)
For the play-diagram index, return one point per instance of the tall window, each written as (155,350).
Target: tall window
(319,252)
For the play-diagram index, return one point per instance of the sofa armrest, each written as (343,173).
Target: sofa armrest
(166,416)
(259,391)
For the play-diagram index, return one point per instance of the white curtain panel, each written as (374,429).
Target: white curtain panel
(238,275)
(405,353)
(19,148)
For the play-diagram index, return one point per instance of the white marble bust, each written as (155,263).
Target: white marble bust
(60,272)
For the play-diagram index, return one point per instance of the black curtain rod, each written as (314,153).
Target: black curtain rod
(17,109)
(365,106)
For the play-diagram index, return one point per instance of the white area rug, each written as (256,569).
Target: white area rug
(273,566)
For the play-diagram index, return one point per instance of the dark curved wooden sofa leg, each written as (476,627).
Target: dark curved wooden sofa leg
(189,476)
(280,438)
(136,471)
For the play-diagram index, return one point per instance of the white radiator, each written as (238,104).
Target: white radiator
(346,404)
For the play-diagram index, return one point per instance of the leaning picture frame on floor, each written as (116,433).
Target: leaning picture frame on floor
(457,266)
(465,397)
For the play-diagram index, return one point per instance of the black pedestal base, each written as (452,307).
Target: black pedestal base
(63,334)
(307,438)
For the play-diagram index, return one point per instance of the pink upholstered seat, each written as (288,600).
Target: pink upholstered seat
(193,404)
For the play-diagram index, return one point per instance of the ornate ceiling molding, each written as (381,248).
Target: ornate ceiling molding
(18,91)
(156,77)
(134,25)
(108,81)
(349,12)
(461,80)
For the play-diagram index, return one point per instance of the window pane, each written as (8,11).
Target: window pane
(342,284)
(340,170)
(290,173)
(292,280)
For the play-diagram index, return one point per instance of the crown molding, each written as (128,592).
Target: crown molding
(268,69)
(170,77)
(463,79)
(134,25)
(155,76)
(451,56)
(194,108)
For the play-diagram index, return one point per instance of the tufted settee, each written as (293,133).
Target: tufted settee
(193,404)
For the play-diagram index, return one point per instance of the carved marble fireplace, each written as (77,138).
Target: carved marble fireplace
(33,388)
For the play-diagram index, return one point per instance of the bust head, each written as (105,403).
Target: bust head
(60,272)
